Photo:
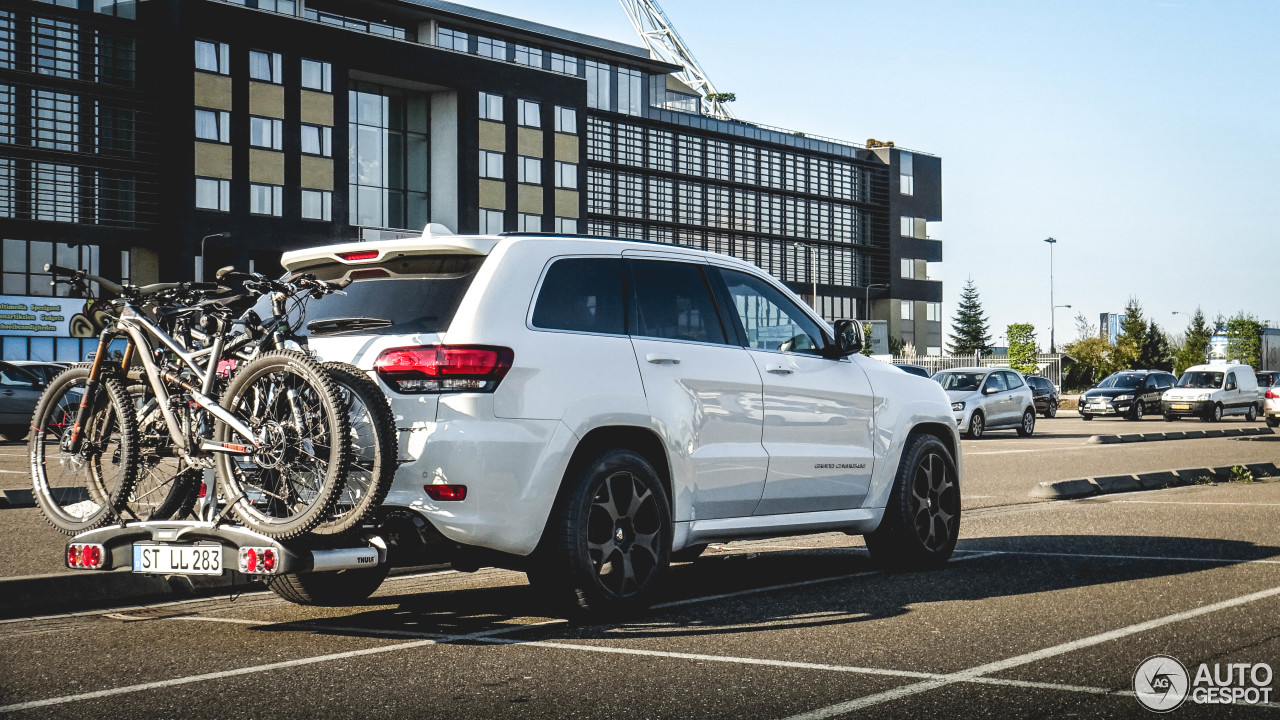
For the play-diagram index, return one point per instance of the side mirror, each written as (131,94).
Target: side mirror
(990,390)
(849,339)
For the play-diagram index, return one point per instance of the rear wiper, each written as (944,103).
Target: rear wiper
(333,326)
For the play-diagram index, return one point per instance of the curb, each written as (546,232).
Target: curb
(1085,487)
(1187,435)
(26,498)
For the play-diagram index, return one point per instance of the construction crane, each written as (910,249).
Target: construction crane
(664,43)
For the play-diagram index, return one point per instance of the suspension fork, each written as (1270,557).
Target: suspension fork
(90,392)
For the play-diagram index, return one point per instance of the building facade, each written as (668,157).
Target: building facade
(166,138)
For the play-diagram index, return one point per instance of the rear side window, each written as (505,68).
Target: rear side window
(415,294)
(673,302)
(582,295)
(1012,381)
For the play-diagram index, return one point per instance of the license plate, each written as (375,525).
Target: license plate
(177,559)
(1181,406)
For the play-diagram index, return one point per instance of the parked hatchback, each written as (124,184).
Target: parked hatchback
(1045,395)
(985,399)
(20,390)
(589,409)
(1128,393)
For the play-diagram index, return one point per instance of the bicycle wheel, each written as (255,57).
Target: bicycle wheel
(166,487)
(374,447)
(87,489)
(289,483)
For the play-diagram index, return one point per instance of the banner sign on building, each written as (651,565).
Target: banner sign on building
(33,316)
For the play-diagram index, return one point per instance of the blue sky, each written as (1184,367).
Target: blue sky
(1143,135)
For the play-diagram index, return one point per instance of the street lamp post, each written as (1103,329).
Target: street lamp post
(204,239)
(1055,317)
(1052,307)
(866,298)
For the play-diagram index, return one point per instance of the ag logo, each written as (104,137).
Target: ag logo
(1160,683)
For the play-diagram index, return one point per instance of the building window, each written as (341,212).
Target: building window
(491,48)
(55,46)
(265,66)
(213,57)
(913,227)
(317,140)
(317,205)
(212,194)
(24,263)
(55,192)
(317,75)
(933,312)
(599,85)
(566,120)
(906,174)
(718,160)
(660,154)
(266,199)
(528,56)
(55,120)
(567,226)
(529,169)
(689,155)
(566,64)
(629,82)
(907,309)
(490,222)
(265,132)
(213,125)
(452,39)
(566,175)
(660,205)
(908,268)
(599,191)
(491,165)
(284,7)
(528,222)
(389,157)
(530,113)
(490,107)
(630,145)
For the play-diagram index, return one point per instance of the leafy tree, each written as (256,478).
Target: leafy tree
(1157,351)
(866,339)
(1022,347)
(1095,358)
(1194,344)
(1244,339)
(969,333)
(897,346)
(1084,328)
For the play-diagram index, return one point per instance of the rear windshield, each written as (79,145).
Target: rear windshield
(963,381)
(1201,379)
(1121,381)
(417,294)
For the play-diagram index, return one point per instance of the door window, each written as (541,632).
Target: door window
(673,302)
(770,321)
(996,381)
(13,377)
(1012,381)
(1231,381)
(583,295)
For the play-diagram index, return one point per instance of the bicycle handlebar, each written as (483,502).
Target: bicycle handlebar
(82,275)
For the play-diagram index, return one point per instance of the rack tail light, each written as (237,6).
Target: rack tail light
(85,556)
(258,560)
(444,368)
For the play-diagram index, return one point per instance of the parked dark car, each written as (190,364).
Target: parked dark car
(1045,395)
(20,390)
(1128,393)
(45,371)
(914,369)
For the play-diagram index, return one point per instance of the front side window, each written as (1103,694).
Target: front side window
(491,164)
(317,75)
(213,57)
(673,302)
(213,125)
(266,133)
(265,66)
(582,295)
(317,140)
(995,381)
(770,320)
(266,199)
(530,113)
(213,194)
(490,107)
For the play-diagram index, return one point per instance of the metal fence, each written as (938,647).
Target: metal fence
(1048,365)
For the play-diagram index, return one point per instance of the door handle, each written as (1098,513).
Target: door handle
(657,359)
(7,393)
(779,369)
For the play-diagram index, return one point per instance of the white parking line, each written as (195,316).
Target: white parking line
(1145,558)
(1027,658)
(1176,502)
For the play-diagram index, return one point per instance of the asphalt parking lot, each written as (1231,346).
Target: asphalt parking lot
(1047,611)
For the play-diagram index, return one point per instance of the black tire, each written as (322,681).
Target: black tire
(1139,409)
(1052,410)
(87,490)
(165,488)
(1273,421)
(374,449)
(1086,417)
(283,490)
(1251,414)
(922,518)
(580,566)
(13,432)
(330,588)
(1214,414)
(1170,418)
(977,425)
(689,554)
(1028,424)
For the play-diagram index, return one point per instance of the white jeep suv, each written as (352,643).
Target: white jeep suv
(589,409)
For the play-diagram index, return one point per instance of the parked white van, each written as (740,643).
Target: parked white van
(1211,391)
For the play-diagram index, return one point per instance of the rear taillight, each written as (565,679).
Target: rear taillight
(258,560)
(446,493)
(1273,394)
(358,255)
(444,368)
(85,556)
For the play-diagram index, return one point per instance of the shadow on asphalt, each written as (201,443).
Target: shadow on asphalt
(842,600)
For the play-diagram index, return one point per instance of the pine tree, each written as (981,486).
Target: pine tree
(969,333)
(1195,344)
(1133,336)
